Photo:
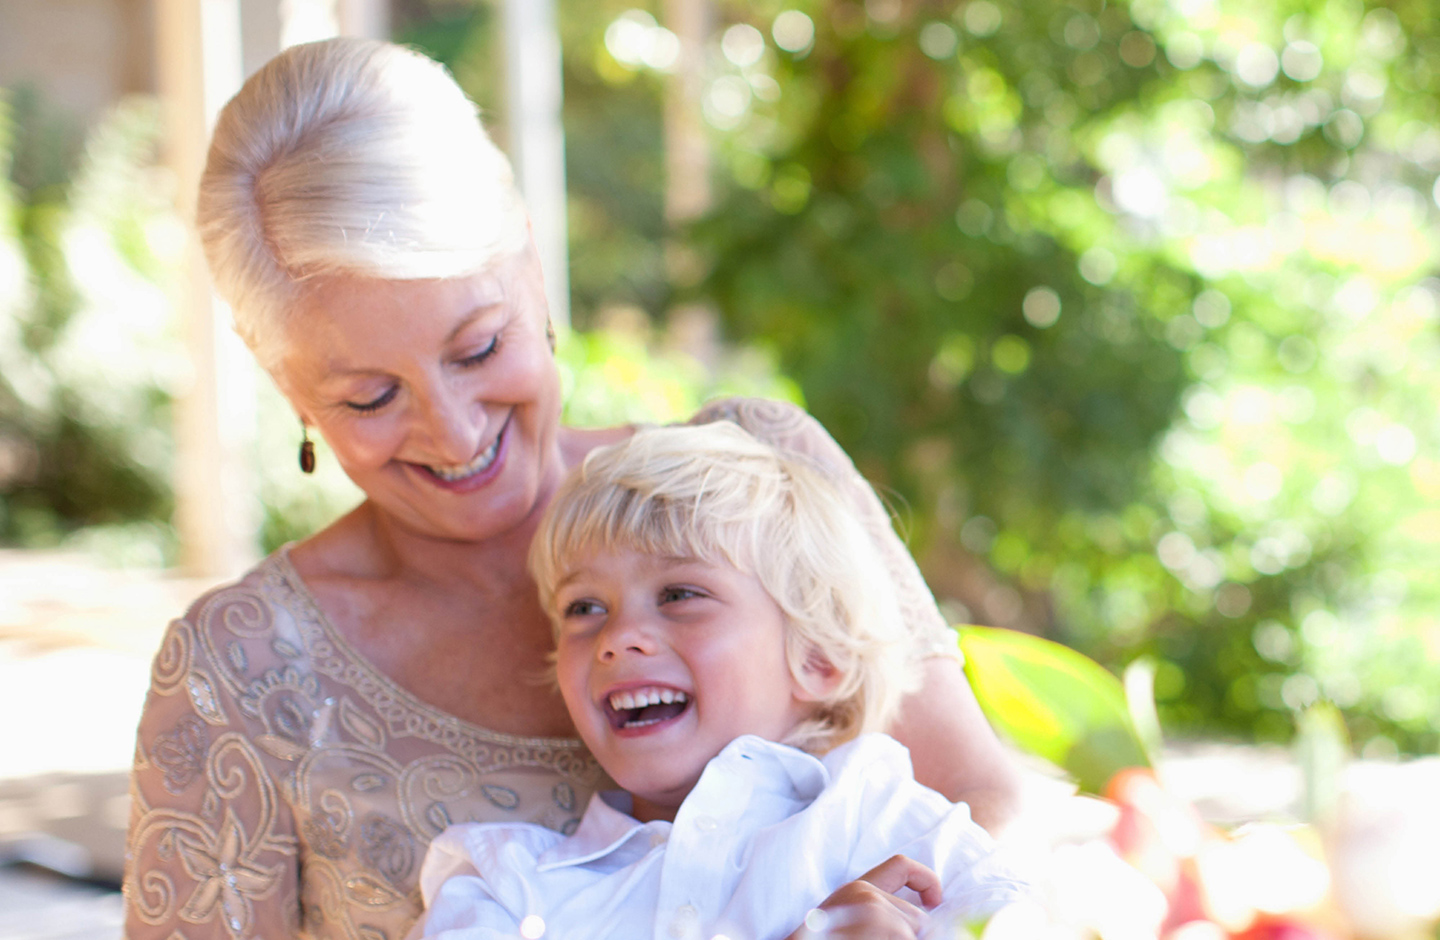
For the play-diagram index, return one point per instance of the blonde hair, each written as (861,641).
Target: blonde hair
(715,493)
(348,156)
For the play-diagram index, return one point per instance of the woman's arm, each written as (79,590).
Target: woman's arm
(211,851)
(952,746)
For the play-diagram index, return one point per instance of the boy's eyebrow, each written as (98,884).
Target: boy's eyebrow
(574,574)
(561,582)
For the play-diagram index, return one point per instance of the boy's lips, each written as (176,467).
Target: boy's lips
(636,707)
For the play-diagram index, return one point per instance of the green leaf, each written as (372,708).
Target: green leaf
(1053,702)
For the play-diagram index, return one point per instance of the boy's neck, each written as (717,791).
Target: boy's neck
(646,811)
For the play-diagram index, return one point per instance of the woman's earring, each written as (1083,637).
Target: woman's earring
(307,451)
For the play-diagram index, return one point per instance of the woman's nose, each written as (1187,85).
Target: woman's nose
(451,426)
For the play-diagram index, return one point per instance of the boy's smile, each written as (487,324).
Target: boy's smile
(644,707)
(664,661)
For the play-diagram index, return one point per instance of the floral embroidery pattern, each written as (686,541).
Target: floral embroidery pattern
(282,787)
(181,753)
(387,848)
(229,879)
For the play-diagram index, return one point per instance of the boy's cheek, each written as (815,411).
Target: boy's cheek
(571,677)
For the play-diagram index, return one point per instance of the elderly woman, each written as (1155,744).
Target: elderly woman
(313,726)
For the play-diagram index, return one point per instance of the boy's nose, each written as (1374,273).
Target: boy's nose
(625,633)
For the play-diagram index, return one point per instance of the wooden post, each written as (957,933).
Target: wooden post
(690,327)
(687,151)
(367,18)
(533,97)
(198,55)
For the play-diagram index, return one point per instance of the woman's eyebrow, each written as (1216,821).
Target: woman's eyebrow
(481,308)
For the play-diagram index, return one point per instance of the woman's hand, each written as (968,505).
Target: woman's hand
(868,909)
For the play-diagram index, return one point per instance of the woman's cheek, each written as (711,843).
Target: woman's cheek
(370,442)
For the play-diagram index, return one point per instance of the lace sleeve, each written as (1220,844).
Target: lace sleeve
(211,850)
(784,425)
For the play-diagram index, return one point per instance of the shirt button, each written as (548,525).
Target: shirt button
(684,923)
(706,823)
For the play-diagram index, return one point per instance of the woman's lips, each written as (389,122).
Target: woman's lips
(456,474)
(481,470)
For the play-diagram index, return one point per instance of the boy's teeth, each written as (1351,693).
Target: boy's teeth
(640,698)
(451,474)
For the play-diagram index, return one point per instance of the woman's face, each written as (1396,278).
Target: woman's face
(440,398)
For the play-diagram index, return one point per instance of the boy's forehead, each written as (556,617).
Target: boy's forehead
(584,560)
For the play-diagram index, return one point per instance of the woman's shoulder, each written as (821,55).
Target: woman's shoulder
(778,423)
(753,413)
(271,584)
(252,623)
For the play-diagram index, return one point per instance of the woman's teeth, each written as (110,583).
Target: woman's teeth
(640,698)
(451,474)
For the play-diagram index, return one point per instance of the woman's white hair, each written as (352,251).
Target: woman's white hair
(348,156)
(715,493)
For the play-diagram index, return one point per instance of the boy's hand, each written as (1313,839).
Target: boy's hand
(869,910)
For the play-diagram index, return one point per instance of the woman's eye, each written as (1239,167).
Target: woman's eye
(375,404)
(476,358)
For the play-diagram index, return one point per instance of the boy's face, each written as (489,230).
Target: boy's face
(662,662)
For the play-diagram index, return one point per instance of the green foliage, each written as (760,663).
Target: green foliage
(1131,305)
(1051,701)
(83,239)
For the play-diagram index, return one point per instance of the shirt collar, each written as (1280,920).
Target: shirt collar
(803,774)
(606,827)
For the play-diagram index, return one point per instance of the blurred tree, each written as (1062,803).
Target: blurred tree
(83,428)
(1129,309)
(1128,306)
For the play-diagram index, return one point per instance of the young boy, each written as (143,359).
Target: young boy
(726,643)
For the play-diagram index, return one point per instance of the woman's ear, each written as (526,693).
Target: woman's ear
(817,679)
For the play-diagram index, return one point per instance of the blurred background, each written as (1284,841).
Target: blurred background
(1129,310)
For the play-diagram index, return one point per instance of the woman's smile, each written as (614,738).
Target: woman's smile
(472,474)
(460,389)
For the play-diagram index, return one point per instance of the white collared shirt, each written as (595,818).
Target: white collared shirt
(766,835)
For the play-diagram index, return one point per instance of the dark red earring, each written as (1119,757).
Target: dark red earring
(307,452)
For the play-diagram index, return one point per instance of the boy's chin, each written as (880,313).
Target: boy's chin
(651,802)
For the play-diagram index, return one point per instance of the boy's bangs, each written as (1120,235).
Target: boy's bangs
(653,525)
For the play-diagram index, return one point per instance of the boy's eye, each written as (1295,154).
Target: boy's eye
(675,593)
(583,608)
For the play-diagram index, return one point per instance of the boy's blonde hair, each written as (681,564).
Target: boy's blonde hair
(715,493)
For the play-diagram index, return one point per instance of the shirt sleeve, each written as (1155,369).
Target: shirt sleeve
(211,849)
(476,883)
(898,816)
(787,426)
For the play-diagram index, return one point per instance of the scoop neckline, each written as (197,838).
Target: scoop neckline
(332,633)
